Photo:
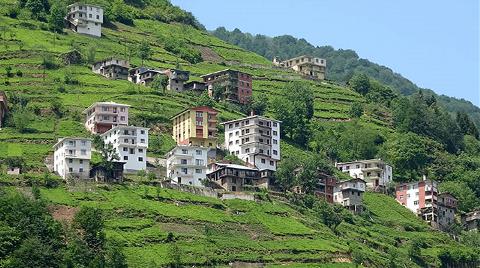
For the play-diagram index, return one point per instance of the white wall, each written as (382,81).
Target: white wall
(131,147)
(187,165)
(72,156)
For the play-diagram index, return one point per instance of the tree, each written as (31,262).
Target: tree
(357,256)
(356,110)
(284,176)
(259,104)
(22,119)
(90,221)
(294,107)
(159,83)
(115,258)
(56,17)
(204,100)
(360,83)
(144,51)
(328,215)
(109,155)
(466,125)
(218,92)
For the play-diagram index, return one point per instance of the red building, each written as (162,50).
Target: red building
(325,188)
(237,86)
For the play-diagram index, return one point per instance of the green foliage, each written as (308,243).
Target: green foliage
(182,49)
(466,125)
(56,17)
(360,83)
(159,83)
(205,100)
(22,118)
(144,51)
(466,197)
(356,110)
(108,153)
(294,107)
(330,215)
(91,222)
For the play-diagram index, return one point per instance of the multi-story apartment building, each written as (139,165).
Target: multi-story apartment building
(3,107)
(71,158)
(375,172)
(350,194)
(85,19)
(255,140)
(187,165)
(231,177)
(131,144)
(236,85)
(176,79)
(308,66)
(102,116)
(447,207)
(421,198)
(196,126)
(112,68)
(143,76)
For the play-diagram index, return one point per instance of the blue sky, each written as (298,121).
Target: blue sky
(434,43)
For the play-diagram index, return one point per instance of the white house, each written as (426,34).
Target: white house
(72,157)
(187,165)
(374,171)
(131,144)
(350,194)
(255,140)
(102,116)
(85,19)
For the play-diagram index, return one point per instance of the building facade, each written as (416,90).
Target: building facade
(131,144)
(236,178)
(72,156)
(236,85)
(447,208)
(176,79)
(375,172)
(85,19)
(308,66)
(471,220)
(420,198)
(143,76)
(187,165)
(350,194)
(3,107)
(196,126)
(255,140)
(195,86)
(112,68)
(102,116)
(325,188)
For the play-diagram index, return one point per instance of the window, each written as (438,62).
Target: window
(199,123)
(132,151)
(140,159)
(198,171)
(122,109)
(237,124)
(183,161)
(230,125)
(198,152)
(230,143)
(275,141)
(237,142)
(98,17)
(70,161)
(415,202)
(140,150)
(247,150)
(81,161)
(142,132)
(199,162)
(142,140)
(83,152)
(199,114)
(125,140)
(230,135)
(70,169)
(125,149)
(271,163)
(263,161)
(184,151)
(275,124)
(80,169)
(237,133)
(401,196)
(185,170)
(84,143)
(90,15)
(275,152)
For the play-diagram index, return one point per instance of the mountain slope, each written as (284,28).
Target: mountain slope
(341,64)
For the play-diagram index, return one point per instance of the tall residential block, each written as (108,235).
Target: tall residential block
(375,172)
(102,116)
(235,86)
(72,156)
(255,140)
(187,165)
(196,126)
(131,144)
(85,19)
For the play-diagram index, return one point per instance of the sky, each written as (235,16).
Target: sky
(434,43)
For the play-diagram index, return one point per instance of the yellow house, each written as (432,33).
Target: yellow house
(196,126)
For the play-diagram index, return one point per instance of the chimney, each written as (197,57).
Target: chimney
(424,177)
(252,113)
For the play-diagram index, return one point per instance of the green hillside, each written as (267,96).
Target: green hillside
(154,226)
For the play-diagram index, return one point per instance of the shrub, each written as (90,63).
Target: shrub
(19,73)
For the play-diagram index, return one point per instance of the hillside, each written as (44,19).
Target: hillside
(155,226)
(342,63)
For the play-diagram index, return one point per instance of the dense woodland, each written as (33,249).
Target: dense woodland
(341,64)
(143,225)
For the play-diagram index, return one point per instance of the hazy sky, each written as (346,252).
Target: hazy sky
(434,43)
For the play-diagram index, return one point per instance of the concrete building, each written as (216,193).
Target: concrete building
(143,76)
(236,178)
(112,68)
(131,144)
(308,66)
(255,140)
(72,156)
(375,172)
(187,165)
(195,86)
(421,198)
(471,220)
(236,85)
(447,208)
(325,188)
(350,194)
(102,116)
(3,107)
(176,79)
(85,19)
(196,126)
